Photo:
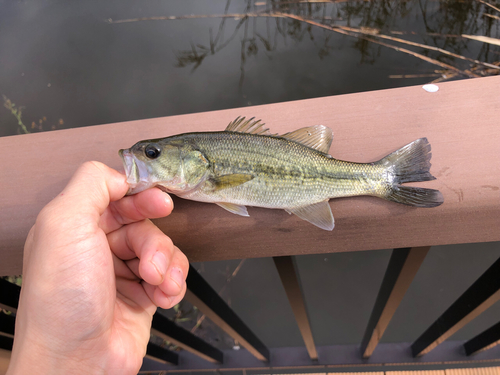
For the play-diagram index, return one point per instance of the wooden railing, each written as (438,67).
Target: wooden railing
(461,121)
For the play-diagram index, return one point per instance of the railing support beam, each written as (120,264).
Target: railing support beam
(289,274)
(402,268)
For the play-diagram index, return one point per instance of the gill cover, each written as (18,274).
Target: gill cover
(172,165)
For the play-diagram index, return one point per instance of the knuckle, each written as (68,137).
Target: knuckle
(93,165)
(116,214)
(92,168)
(168,243)
(163,242)
(182,260)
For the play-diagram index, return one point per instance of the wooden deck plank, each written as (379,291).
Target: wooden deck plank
(460,121)
(473,371)
(4,361)
(422,372)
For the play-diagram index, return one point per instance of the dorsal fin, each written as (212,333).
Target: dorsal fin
(240,125)
(318,137)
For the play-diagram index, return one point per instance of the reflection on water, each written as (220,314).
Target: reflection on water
(109,61)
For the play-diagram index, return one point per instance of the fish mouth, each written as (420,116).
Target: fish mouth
(136,172)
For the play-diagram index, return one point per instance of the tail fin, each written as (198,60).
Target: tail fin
(411,163)
(414,196)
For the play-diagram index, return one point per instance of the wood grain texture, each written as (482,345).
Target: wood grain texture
(461,121)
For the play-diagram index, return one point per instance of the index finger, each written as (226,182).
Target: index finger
(148,204)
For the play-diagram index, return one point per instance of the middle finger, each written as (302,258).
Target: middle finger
(161,263)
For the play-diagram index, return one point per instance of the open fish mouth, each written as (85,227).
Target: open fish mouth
(136,172)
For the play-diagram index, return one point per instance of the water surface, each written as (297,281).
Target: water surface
(69,66)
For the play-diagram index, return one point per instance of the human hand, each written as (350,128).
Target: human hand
(95,269)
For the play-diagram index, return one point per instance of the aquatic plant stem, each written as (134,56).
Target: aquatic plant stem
(488,4)
(16,112)
(354,32)
(491,16)
(371,39)
(403,41)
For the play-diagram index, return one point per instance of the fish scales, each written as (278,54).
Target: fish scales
(310,176)
(247,166)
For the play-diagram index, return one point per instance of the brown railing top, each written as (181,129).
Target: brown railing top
(461,121)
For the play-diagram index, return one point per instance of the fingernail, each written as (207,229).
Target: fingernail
(169,201)
(177,276)
(159,260)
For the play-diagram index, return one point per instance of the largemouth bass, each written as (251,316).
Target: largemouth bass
(246,165)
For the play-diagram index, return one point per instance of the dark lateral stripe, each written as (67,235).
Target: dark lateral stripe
(7,324)
(481,295)
(287,269)
(160,354)
(170,331)
(200,294)
(402,268)
(9,295)
(484,341)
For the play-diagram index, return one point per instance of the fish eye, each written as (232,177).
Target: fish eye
(152,151)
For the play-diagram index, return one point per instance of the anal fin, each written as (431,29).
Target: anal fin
(318,214)
(234,208)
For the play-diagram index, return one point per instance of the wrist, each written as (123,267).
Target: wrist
(27,358)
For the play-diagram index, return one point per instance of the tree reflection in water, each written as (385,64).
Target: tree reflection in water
(262,25)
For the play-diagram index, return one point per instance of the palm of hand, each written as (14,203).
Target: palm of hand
(90,275)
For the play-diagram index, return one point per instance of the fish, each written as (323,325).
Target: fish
(246,165)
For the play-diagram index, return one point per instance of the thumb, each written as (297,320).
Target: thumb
(76,211)
(93,186)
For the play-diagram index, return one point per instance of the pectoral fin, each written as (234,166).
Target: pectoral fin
(230,180)
(318,214)
(234,208)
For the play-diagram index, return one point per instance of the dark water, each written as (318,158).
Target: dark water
(68,66)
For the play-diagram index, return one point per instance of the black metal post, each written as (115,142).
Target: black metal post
(9,295)
(201,294)
(160,354)
(481,295)
(484,341)
(168,330)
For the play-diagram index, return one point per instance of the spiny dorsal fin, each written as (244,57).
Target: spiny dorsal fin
(240,125)
(318,137)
